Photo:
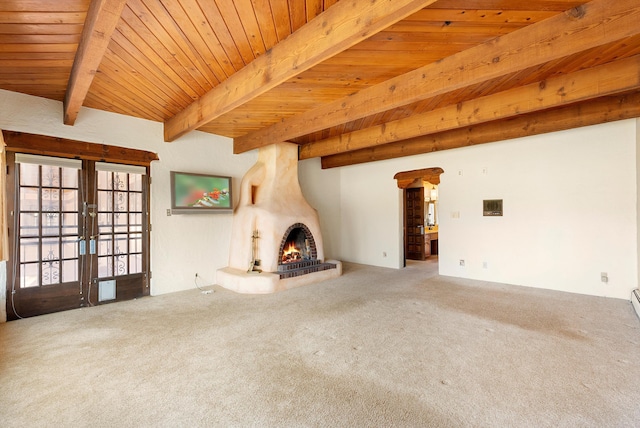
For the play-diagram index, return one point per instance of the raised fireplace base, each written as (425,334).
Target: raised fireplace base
(269,282)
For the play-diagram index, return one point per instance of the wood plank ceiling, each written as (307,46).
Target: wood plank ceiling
(349,81)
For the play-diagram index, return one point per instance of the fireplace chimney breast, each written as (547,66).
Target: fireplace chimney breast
(272,205)
(271,201)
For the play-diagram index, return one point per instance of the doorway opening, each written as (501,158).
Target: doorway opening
(420,213)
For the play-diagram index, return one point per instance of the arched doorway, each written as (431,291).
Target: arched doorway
(420,225)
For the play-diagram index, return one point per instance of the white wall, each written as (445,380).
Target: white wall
(371,215)
(570,198)
(321,188)
(181,245)
(569,202)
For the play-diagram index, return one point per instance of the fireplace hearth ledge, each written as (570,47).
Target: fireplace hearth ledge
(269,282)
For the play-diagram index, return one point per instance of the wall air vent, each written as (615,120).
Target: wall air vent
(492,207)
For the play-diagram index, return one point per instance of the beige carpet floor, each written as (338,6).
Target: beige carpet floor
(374,348)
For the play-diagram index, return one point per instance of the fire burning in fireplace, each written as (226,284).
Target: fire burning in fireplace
(291,253)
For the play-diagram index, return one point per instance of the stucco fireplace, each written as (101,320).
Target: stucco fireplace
(276,243)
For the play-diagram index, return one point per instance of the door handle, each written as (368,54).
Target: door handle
(82,244)
(92,244)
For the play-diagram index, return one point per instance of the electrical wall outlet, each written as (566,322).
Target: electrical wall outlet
(461,262)
(485,265)
(604,277)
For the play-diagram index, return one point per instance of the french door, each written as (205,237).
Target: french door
(78,232)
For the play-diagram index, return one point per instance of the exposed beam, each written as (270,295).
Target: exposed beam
(593,24)
(602,110)
(101,21)
(608,79)
(62,147)
(338,28)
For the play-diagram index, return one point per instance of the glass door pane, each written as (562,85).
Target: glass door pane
(48,218)
(120,223)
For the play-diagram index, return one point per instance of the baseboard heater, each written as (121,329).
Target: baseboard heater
(635,300)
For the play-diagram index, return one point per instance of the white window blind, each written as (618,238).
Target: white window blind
(116,167)
(48,160)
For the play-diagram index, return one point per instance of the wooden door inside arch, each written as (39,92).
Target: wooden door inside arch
(413,209)
(414,223)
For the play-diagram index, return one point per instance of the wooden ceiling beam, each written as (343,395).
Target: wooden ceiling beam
(62,147)
(587,26)
(338,28)
(609,79)
(601,110)
(101,21)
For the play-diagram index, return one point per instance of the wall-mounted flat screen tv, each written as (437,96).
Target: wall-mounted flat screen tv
(192,192)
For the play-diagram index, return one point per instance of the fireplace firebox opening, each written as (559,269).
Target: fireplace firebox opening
(298,253)
(297,245)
